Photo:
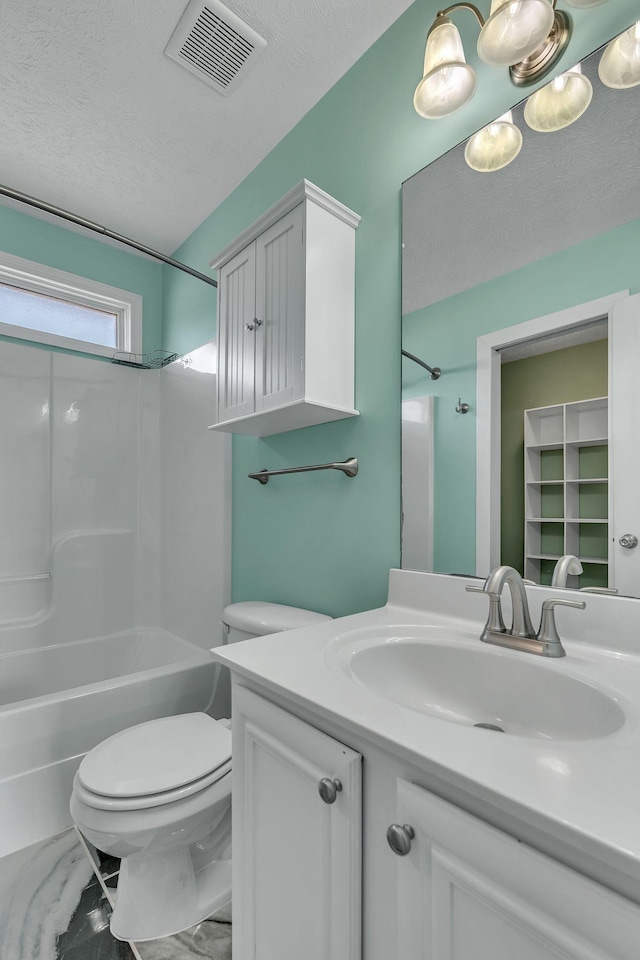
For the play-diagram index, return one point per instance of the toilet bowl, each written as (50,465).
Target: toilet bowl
(158,796)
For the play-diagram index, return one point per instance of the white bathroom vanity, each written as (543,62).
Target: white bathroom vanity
(517,844)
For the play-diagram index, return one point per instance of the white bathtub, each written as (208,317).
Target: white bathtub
(58,702)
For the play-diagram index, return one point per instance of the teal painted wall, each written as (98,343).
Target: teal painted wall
(446,333)
(321,540)
(56,246)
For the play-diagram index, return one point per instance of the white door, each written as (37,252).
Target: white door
(237,335)
(280,312)
(624,458)
(466,891)
(296,857)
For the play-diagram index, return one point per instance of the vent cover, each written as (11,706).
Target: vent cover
(214,44)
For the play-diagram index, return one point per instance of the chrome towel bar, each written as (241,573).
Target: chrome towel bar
(348,467)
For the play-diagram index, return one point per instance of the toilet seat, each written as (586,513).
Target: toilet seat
(100,802)
(155,763)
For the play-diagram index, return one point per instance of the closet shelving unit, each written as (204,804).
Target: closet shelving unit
(566,474)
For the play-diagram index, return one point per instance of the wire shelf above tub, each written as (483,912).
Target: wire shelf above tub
(145,361)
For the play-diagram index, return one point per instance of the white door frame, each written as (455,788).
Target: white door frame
(488,412)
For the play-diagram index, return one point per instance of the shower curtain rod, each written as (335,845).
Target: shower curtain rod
(434,372)
(96,228)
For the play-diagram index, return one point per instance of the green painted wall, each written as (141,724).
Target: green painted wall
(321,540)
(56,246)
(575,373)
(447,331)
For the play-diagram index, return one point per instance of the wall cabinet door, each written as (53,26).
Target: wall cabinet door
(279,333)
(296,858)
(466,891)
(236,335)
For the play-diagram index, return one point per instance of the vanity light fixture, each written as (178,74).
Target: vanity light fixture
(495,146)
(559,103)
(528,36)
(514,30)
(620,63)
(448,82)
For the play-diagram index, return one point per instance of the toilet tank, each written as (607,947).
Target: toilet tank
(256,618)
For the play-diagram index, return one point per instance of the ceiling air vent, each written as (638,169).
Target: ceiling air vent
(214,44)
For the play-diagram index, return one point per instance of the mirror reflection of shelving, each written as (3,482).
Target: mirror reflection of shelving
(566,471)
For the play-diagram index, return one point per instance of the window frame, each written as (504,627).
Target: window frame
(48,281)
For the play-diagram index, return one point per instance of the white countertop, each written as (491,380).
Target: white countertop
(577,799)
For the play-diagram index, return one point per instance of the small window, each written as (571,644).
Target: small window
(60,309)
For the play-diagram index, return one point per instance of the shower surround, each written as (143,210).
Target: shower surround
(103,470)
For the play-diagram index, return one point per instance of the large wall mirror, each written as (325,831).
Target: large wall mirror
(523,286)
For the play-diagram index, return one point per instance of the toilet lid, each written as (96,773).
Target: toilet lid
(156,756)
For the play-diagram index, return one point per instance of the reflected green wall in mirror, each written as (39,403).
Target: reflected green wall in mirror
(445,334)
(574,373)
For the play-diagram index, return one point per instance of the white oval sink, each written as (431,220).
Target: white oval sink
(507,689)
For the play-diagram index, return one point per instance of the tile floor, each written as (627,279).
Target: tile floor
(55,903)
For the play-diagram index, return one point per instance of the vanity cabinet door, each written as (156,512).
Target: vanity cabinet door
(296,858)
(466,891)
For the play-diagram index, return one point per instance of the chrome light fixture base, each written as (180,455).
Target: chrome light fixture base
(542,61)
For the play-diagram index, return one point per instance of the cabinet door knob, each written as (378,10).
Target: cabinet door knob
(628,540)
(329,789)
(248,326)
(400,837)
(258,323)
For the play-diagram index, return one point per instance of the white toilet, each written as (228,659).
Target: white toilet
(158,795)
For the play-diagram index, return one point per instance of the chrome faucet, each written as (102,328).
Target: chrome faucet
(546,643)
(570,566)
(565,567)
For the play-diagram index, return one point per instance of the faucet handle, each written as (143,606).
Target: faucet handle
(495,623)
(548,633)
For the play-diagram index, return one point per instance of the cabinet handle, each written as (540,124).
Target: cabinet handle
(248,326)
(399,838)
(257,322)
(329,789)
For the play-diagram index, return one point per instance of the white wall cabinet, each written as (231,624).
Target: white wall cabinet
(464,890)
(286,294)
(296,858)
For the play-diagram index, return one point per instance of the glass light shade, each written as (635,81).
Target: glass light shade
(560,103)
(495,146)
(515,29)
(448,82)
(620,63)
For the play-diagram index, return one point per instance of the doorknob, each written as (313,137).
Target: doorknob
(628,540)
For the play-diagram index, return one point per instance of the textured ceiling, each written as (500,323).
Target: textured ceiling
(461,228)
(96,119)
